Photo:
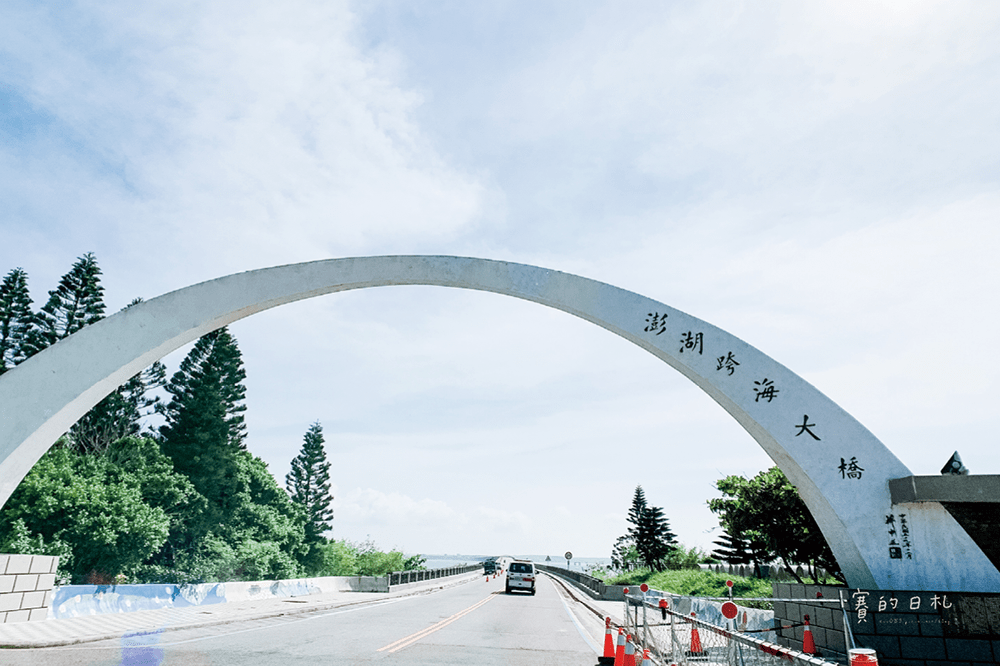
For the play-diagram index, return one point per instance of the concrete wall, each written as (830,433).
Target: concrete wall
(26,583)
(77,600)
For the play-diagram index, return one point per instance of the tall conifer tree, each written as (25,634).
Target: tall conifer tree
(308,483)
(15,318)
(204,427)
(654,540)
(78,301)
(650,532)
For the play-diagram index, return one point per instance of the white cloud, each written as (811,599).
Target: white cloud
(818,179)
(236,135)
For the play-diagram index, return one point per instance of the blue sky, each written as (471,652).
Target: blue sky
(819,179)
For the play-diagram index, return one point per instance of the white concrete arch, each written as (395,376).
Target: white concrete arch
(839,467)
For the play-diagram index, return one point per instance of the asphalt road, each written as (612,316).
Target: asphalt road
(473,623)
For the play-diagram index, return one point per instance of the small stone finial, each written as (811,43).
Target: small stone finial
(954,465)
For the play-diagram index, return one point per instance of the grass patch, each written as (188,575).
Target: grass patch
(696,583)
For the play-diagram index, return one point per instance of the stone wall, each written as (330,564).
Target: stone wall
(826,620)
(906,628)
(26,583)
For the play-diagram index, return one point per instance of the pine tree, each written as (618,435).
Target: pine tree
(650,533)
(15,318)
(120,413)
(78,301)
(204,429)
(654,540)
(731,550)
(308,483)
(636,512)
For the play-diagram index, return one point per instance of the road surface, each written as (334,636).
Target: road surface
(472,623)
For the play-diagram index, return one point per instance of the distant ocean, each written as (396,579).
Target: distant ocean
(577,563)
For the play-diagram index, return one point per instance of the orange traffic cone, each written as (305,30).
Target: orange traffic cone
(609,644)
(646,661)
(808,644)
(620,648)
(629,652)
(695,650)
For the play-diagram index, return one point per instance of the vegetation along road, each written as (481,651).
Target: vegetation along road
(472,623)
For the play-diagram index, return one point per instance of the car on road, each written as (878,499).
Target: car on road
(521,576)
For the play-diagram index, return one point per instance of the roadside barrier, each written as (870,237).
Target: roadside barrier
(676,635)
(404,577)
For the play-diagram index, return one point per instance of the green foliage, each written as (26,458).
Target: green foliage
(767,512)
(374,562)
(78,301)
(308,483)
(624,556)
(681,558)
(332,558)
(87,504)
(17,538)
(415,563)
(15,318)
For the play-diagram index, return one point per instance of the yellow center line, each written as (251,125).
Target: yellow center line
(413,638)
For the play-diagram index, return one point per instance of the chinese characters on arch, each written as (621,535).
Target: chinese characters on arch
(765,391)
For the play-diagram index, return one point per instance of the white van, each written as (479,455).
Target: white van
(521,576)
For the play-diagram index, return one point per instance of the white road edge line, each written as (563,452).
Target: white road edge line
(579,627)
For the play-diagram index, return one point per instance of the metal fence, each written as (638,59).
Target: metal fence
(675,635)
(403,577)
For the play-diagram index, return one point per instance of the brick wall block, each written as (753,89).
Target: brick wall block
(886,646)
(968,649)
(17,616)
(923,648)
(38,614)
(819,635)
(33,600)
(46,582)
(10,601)
(26,583)
(40,564)
(18,564)
(3,563)
(7,583)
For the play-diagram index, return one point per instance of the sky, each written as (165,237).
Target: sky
(819,179)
